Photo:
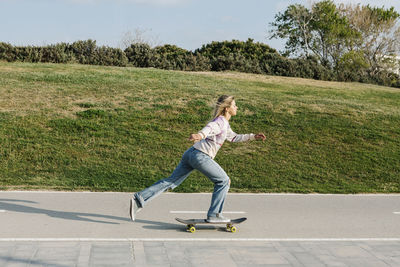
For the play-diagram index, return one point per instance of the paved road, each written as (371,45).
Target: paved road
(93,229)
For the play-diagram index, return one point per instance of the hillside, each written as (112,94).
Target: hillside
(79,127)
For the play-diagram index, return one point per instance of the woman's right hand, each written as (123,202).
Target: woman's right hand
(195,137)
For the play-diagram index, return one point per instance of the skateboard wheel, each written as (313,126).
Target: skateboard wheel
(192,229)
(233,229)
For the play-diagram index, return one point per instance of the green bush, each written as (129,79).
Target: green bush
(309,67)
(232,55)
(84,51)
(275,64)
(7,52)
(170,57)
(385,78)
(197,63)
(167,56)
(27,54)
(235,55)
(235,62)
(248,49)
(260,58)
(59,53)
(108,56)
(139,55)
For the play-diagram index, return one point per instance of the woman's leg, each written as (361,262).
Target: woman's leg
(180,173)
(206,165)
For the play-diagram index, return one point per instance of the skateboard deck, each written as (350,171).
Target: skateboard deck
(191,223)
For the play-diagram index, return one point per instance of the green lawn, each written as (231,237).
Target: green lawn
(78,127)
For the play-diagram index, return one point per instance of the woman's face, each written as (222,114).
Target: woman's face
(232,110)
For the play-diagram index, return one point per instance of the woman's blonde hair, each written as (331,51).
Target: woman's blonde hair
(223,102)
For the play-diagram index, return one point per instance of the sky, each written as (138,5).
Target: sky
(188,24)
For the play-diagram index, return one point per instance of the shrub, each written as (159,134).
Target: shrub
(84,51)
(139,55)
(235,55)
(108,56)
(232,55)
(7,52)
(197,63)
(171,57)
(309,67)
(59,53)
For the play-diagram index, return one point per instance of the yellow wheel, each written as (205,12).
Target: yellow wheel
(233,229)
(192,229)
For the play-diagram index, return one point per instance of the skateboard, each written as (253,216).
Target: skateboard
(191,223)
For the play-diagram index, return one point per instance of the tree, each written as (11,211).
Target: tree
(332,33)
(347,38)
(295,25)
(321,31)
(380,35)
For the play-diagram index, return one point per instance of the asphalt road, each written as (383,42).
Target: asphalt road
(94,229)
(105,215)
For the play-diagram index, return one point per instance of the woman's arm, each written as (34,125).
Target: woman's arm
(211,129)
(234,137)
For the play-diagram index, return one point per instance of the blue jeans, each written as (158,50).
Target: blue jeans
(192,159)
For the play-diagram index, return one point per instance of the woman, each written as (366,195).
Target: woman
(201,157)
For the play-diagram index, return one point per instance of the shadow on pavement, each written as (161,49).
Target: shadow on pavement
(179,227)
(28,262)
(13,205)
(154,225)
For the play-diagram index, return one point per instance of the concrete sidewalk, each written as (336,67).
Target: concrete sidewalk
(200,253)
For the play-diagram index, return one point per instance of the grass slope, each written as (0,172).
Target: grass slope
(77,127)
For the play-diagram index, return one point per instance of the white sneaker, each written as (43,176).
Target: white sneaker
(218,219)
(134,208)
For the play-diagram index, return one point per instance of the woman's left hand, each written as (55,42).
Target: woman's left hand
(260,136)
